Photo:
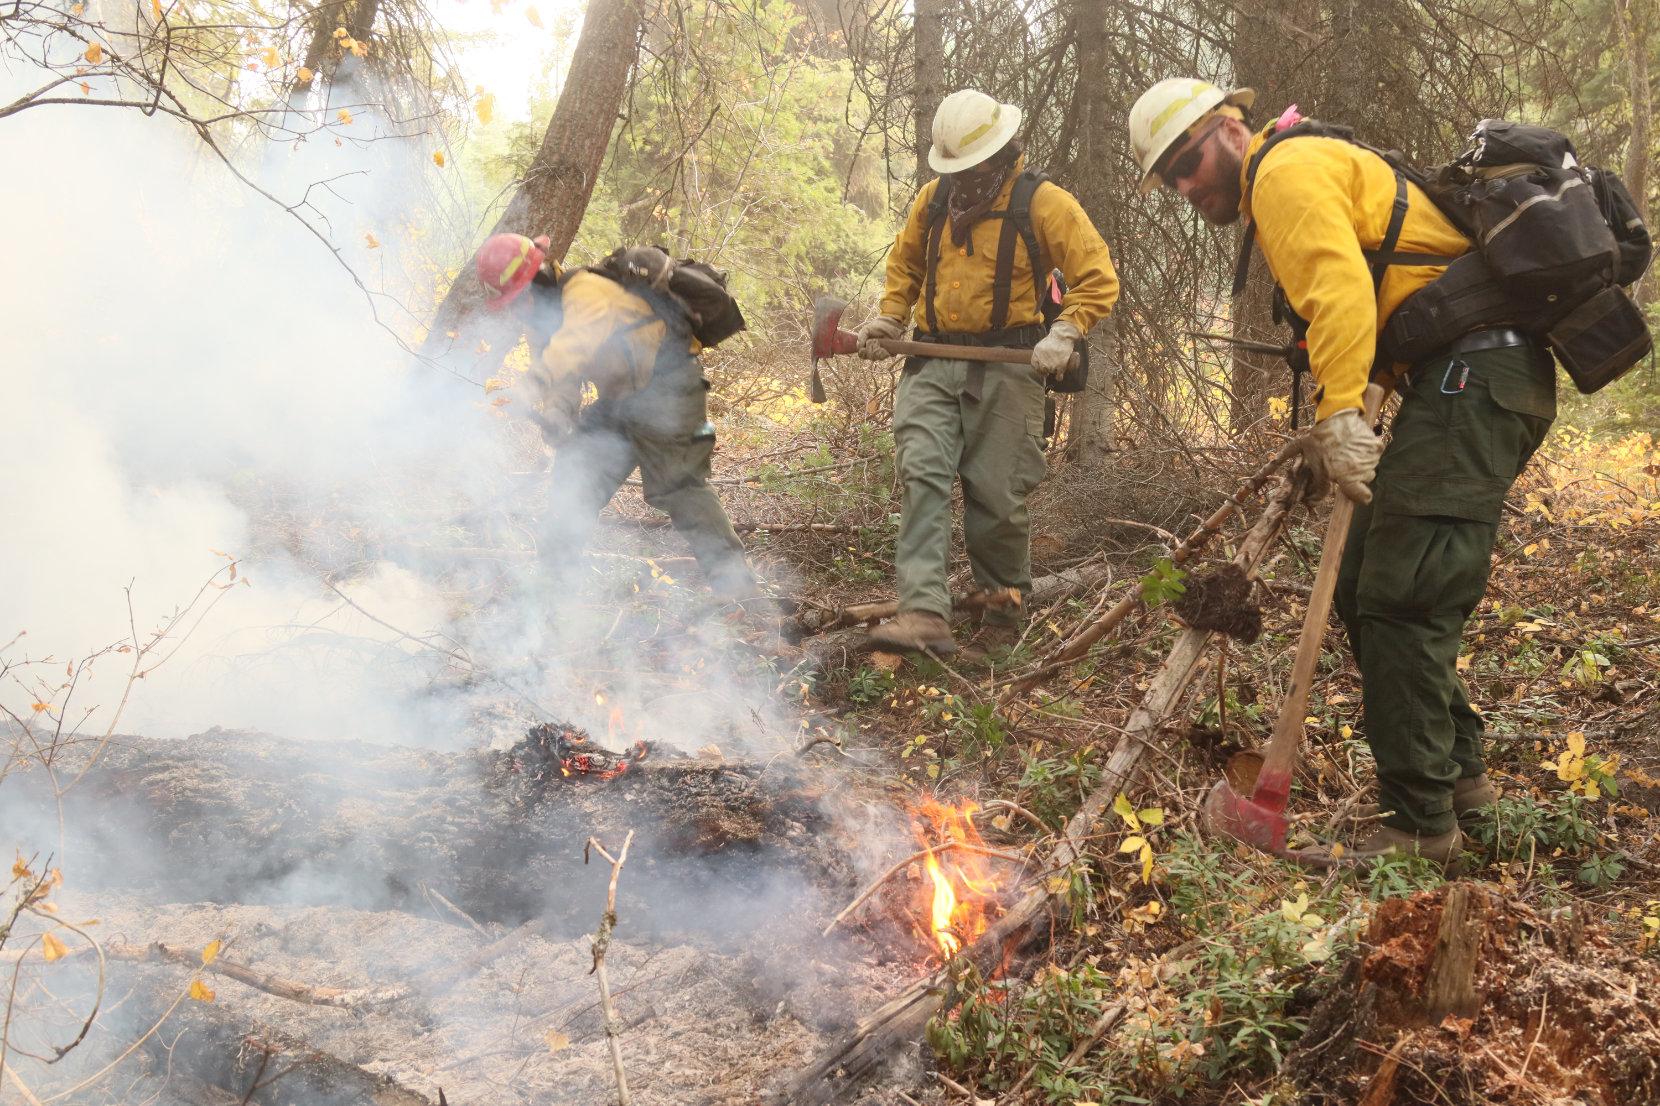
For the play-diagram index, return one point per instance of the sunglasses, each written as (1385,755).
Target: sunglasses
(1187,162)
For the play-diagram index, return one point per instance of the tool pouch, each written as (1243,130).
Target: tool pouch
(1600,340)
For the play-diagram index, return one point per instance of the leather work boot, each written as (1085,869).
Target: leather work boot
(990,644)
(1441,849)
(914,631)
(1470,796)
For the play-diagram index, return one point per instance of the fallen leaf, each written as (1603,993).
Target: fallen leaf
(51,948)
(200,991)
(438,158)
(370,240)
(95,53)
(557,1041)
(211,953)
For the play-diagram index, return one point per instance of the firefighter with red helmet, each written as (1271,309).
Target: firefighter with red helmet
(631,326)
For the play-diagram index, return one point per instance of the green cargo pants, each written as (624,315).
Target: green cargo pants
(995,445)
(1417,562)
(662,430)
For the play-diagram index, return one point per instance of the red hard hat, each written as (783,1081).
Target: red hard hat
(506,262)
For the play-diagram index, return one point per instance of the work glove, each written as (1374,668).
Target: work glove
(881,327)
(1050,356)
(1343,450)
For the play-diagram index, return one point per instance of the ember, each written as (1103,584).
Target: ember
(551,752)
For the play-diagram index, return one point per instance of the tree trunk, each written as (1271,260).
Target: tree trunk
(327,17)
(930,78)
(1089,432)
(1634,29)
(1278,69)
(554,193)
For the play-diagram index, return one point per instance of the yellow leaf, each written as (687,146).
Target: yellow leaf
(358,48)
(1346,731)
(1310,720)
(1121,807)
(20,870)
(1152,816)
(1576,743)
(370,240)
(270,58)
(496,384)
(155,9)
(38,706)
(211,953)
(86,89)
(200,991)
(303,75)
(1055,884)
(933,771)
(95,53)
(1337,850)
(51,948)
(1278,407)
(485,106)
(535,17)
(1131,844)
(1001,822)
(557,1041)
(1147,864)
(340,32)
(438,158)
(344,116)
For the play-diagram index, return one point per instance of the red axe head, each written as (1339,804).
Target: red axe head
(829,338)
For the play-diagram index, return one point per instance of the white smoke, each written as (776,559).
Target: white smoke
(190,374)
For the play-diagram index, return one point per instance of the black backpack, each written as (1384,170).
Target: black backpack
(1048,286)
(697,290)
(1555,242)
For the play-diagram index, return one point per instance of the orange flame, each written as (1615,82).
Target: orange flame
(962,886)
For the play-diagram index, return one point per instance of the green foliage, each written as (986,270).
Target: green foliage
(869,685)
(1163,583)
(1518,829)
(1054,787)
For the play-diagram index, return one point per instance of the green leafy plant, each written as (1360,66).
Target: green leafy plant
(1163,583)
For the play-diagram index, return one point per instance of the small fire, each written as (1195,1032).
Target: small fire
(961,885)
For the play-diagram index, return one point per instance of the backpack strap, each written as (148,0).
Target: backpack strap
(938,205)
(1017,219)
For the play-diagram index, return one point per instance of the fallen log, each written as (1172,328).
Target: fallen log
(1080,643)
(244,817)
(843,1068)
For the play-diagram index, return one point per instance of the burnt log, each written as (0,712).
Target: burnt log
(244,817)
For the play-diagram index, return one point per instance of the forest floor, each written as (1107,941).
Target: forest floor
(1173,965)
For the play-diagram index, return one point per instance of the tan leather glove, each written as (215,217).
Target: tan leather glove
(882,326)
(1050,356)
(1343,450)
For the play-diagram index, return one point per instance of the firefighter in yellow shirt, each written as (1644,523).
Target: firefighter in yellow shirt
(622,326)
(1348,239)
(972,265)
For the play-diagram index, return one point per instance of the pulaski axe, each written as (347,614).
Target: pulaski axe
(1248,803)
(830,339)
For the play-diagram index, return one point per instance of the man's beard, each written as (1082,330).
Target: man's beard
(1219,204)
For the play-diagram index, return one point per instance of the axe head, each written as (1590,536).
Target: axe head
(1247,807)
(828,337)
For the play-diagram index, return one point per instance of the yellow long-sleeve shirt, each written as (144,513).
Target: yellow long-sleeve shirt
(1067,240)
(607,335)
(1317,203)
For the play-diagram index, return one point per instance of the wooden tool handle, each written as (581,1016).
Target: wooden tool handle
(1274,779)
(1000,354)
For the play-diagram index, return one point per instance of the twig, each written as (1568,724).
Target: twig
(1537,1033)
(912,859)
(11,1073)
(602,942)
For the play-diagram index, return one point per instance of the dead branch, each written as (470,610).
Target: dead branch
(843,1067)
(856,614)
(1080,643)
(602,942)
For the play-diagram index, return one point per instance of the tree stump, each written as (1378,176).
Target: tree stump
(1450,987)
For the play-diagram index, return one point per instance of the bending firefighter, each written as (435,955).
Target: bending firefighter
(632,326)
(974,263)
(1348,239)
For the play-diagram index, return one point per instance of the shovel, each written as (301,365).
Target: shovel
(1248,803)
(830,339)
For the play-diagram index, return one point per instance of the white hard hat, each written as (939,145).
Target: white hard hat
(968,128)
(1166,111)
